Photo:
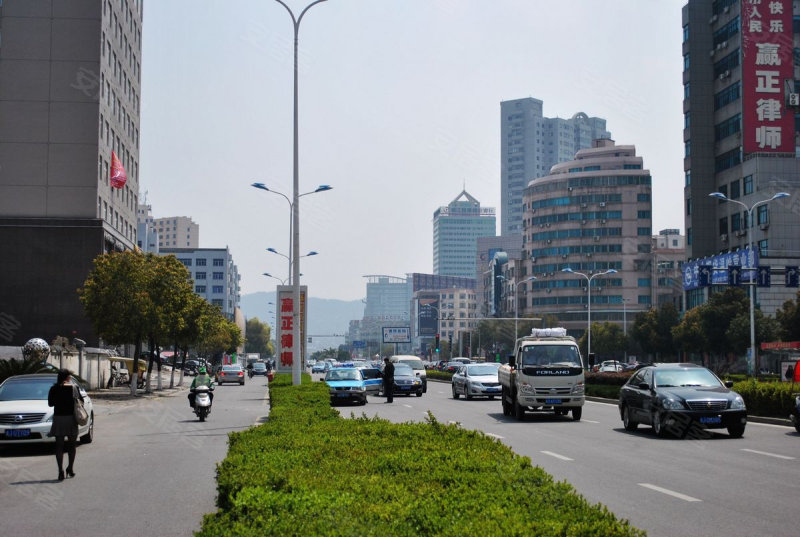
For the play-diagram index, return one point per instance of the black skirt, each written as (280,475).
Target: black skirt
(64,426)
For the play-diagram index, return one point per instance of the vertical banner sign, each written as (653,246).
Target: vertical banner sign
(285,324)
(767,67)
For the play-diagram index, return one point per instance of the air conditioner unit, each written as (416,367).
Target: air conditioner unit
(794,99)
(547,225)
(711,53)
(564,256)
(583,222)
(584,205)
(602,221)
(569,188)
(541,225)
(724,44)
(763,227)
(719,46)
(589,255)
(602,204)
(584,289)
(549,241)
(533,259)
(726,74)
(549,290)
(533,210)
(726,9)
(741,233)
(712,20)
(596,238)
(723,237)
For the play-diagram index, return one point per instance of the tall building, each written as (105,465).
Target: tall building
(530,144)
(428,313)
(69,96)
(740,84)
(215,276)
(456,228)
(387,305)
(146,234)
(177,232)
(591,214)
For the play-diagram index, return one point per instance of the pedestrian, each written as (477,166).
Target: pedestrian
(388,379)
(62,397)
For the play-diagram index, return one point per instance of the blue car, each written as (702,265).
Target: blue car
(346,384)
(373,379)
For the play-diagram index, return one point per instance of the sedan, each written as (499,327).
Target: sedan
(260,368)
(674,398)
(373,379)
(346,384)
(25,417)
(319,367)
(476,380)
(231,373)
(406,381)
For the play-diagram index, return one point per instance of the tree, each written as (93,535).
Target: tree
(688,334)
(788,316)
(608,340)
(652,330)
(767,329)
(257,337)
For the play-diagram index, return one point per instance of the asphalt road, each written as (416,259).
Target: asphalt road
(149,471)
(711,486)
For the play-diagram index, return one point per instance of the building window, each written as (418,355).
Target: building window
(763,246)
(218,302)
(689,207)
(219,262)
(747,184)
(686,62)
(217,289)
(685,33)
(688,178)
(687,148)
(728,127)
(728,95)
(723,225)
(186,262)
(643,282)
(736,222)
(643,214)
(201,262)
(689,236)
(643,197)
(762,215)
(643,231)
(200,276)
(199,288)
(686,91)
(219,276)
(643,248)
(735,190)
(687,120)
(644,299)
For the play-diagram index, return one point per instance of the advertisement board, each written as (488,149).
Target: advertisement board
(396,334)
(285,323)
(428,316)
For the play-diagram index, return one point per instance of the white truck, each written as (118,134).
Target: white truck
(544,373)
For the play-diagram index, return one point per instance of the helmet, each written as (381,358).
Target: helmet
(201,369)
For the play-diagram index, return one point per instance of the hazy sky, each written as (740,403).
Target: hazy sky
(399,108)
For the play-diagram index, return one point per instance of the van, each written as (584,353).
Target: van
(416,364)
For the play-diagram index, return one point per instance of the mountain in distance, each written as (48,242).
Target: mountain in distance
(326,316)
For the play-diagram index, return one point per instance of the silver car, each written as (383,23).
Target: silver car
(25,417)
(476,380)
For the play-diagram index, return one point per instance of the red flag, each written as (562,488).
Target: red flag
(118,176)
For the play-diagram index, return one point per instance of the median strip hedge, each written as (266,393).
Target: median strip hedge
(307,471)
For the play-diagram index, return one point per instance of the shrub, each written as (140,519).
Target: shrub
(766,398)
(439,375)
(601,390)
(307,471)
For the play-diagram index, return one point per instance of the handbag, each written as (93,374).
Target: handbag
(81,416)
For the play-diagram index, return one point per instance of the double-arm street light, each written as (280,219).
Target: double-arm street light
(516,301)
(274,251)
(751,259)
(589,302)
(295,207)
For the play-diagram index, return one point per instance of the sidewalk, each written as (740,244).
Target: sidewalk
(123,393)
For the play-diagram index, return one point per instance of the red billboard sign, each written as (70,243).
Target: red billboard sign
(285,328)
(767,69)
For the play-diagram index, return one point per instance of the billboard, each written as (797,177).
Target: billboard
(693,277)
(427,316)
(396,334)
(767,70)
(285,323)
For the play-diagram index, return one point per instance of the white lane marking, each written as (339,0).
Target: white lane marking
(668,492)
(784,457)
(590,421)
(494,435)
(557,456)
(407,406)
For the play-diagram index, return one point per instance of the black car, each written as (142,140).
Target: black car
(674,398)
(405,381)
(260,368)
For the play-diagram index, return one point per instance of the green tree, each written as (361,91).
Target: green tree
(788,316)
(689,333)
(608,341)
(652,331)
(257,337)
(767,329)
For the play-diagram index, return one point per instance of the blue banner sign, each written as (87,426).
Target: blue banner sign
(764,277)
(719,268)
(791,276)
(359,344)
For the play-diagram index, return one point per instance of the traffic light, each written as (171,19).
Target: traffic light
(437,343)
(450,340)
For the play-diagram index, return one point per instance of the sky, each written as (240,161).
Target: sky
(399,111)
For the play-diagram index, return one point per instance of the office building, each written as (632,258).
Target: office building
(591,214)
(530,144)
(177,232)
(215,276)
(740,83)
(429,310)
(456,228)
(69,96)
(146,234)
(387,305)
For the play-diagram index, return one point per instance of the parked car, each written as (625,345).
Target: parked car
(346,384)
(25,417)
(373,379)
(231,373)
(405,381)
(673,398)
(416,364)
(476,380)
(319,367)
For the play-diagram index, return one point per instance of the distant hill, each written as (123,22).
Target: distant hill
(325,316)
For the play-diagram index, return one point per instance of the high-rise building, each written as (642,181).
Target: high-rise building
(177,232)
(69,96)
(591,214)
(740,82)
(146,234)
(456,228)
(387,305)
(530,144)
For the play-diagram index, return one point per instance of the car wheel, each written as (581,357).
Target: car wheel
(629,423)
(797,426)
(736,431)
(518,410)
(577,412)
(455,393)
(504,403)
(466,392)
(419,393)
(658,425)
(89,436)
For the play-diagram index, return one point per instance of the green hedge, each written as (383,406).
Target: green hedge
(309,472)
(439,375)
(601,390)
(773,399)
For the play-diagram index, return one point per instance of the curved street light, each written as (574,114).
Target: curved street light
(516,300)
(274,251)
(589,302)
(751,258)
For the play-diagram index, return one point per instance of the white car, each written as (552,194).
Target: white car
(476,380)
(610,366)
(25,417)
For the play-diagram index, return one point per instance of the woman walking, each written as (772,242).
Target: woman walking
(62,397)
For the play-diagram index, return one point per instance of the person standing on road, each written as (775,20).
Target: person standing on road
(388,379)
(62,398)
(202,379)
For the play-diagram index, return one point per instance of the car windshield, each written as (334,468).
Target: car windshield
(403,370)
(551,355)
(343,374)
(259,366)
(26,389)
(231,368)
(477,370)
(674,378)
(371,373)
(413,364)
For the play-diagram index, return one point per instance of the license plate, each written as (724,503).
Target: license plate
(552,401)
(342,395)
(710,419)
(18,433)
(491,389)
(405,387)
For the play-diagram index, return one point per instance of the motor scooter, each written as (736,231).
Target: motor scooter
(795,415)
(202,401)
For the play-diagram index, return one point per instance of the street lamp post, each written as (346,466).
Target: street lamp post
(751,259)
(516,301)
(625,325)
(589,302)
(274,251)
(296,348)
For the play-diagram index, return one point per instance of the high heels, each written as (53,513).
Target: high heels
(70,473)
(61,475)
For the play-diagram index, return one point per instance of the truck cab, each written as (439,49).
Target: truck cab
(544,373)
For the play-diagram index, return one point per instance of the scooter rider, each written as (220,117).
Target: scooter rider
(202,379)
